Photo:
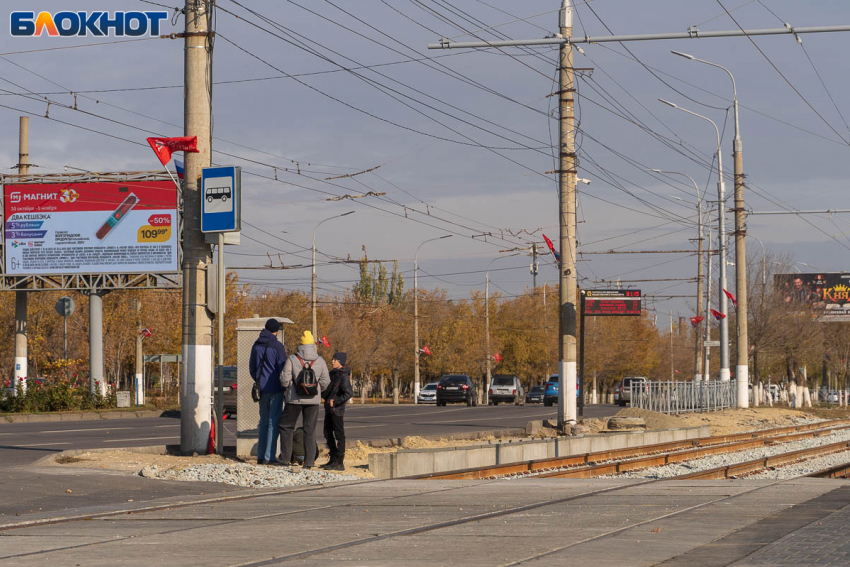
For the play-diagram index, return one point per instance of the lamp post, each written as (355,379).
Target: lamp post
(487,324)
(742,341)
(697,350)
(313,275)
(416,316)
(763,261)
(721,237)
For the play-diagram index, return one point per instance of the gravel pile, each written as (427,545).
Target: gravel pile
(246,475)
(806,467)
(726,459)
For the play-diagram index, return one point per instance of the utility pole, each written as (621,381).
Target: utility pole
(707,310)
(21,295)
(196,389)
(567,222)
(416,347)
(140,369)
(742,371)
(672,369)
(534,268)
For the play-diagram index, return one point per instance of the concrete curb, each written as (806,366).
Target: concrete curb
(84,416)
(415,462)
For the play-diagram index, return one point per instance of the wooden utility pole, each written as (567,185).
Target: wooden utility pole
(140,368)
(567,221)
(743,346)
(21,295)
(196,389)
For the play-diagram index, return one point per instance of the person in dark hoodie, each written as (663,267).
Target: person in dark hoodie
(268,357)
(299,404)
(336,396)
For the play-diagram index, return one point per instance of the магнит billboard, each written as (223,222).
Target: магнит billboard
(90,228)
(827,294)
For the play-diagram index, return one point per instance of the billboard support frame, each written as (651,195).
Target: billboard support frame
(93,282)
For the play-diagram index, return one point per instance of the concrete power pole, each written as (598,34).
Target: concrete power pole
(21,295)
(534,268)
(196,389)
(567,222)
(140,368)
(742,370)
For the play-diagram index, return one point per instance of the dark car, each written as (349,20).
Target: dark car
(229,388)
(535,395)
(456,388)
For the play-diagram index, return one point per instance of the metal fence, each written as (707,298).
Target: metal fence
(683,397)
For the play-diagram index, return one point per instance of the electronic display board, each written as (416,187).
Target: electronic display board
(611,302)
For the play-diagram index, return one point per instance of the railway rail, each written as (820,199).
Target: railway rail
(618,461)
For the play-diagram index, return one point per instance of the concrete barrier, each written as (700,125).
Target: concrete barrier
(411,462)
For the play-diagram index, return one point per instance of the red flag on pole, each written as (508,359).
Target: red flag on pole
(717,314)
(164,147)
(696,320)
(497,357)
(552,248)
(732,297)
(425,350)
(146,333)
(325,342)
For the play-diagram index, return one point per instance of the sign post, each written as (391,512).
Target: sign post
(65,308)
(604,303)
(221,212)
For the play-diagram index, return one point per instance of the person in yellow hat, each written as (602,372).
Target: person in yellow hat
(305,376)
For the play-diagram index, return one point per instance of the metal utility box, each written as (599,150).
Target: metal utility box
(247,410)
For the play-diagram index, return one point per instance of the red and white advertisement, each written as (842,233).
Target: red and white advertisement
(90,228)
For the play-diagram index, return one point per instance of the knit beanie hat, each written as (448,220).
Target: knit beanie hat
(307,338)
(341,357)
(273,325)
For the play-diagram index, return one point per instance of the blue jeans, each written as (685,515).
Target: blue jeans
(270,407)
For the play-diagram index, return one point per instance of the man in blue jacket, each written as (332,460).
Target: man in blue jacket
(268,357)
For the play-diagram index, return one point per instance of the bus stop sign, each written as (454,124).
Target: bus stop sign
(221,199)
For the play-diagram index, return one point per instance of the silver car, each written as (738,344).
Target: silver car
(626,388)
(428,394)
(506,388)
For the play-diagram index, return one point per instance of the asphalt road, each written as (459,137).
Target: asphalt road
(25,443)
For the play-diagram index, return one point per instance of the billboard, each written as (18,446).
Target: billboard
(611,302)
(86,228)
(827,294)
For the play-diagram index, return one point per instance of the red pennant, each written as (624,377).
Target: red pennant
(164,147)
(552,248)
(696,320)
(732,297)
(425,350)
(146,333)
(497,357)
(717,314)
(325,342)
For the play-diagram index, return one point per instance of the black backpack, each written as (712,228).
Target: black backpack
(306,383)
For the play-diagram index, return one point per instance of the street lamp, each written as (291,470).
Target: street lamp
(763,261)
(721,237)
(416,316)
(487,323)
(697,350)
(313,279)
(742,340)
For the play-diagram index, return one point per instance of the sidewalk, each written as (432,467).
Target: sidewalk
(84,415)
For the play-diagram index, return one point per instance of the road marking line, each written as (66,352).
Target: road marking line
(36,445)
(90,429)
(138,439)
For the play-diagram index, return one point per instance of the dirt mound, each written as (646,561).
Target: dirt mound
(654,419)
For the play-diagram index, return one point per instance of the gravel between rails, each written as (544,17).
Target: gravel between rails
(805,467)
(246,475)
(722,460)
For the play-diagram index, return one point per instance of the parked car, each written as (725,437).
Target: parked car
(535,395)
(626,388)
(506,388)
(230,386)
(456,388)
(550,396)
(428,394)
(832,398)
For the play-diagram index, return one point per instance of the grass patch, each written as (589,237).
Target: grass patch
(67,459)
